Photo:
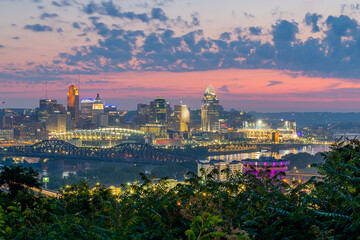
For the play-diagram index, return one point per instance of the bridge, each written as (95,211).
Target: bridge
(127,152)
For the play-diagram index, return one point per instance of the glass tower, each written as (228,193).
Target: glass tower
(210,111)
(73,103)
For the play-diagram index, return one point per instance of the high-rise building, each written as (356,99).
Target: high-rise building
(73,103)
(210,111)
(56,122)
(180,118)
(86,107)
(47,107)
(158,111)
(97,106)
(98,115)
(143,109)
(110,108)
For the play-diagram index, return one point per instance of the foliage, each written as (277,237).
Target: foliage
(244,207)
(302,160)
(19,178)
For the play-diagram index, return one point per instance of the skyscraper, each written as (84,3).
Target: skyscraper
(210,111)
(73,103)
(180,118)
(86,107)
(158,111)
(98,115)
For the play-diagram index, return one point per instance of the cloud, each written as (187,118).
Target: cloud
(225,36)
(335,53)
(62,3)
(274,83)
(312,21)
(224,88)
(76,25)
(110,9)
(162,2)
(158,13)
(255,31)
(48,15)
(284,31)
(38,28)
(195,19)
(249,15)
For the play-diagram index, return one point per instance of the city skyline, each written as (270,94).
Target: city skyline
(283,56)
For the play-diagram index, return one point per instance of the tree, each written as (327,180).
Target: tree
(19,178)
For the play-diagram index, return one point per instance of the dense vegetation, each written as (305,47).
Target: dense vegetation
(303,160)
(245,207)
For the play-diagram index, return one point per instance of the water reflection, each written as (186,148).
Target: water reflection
(311,149)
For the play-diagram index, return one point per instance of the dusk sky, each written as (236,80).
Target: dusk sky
(269,56)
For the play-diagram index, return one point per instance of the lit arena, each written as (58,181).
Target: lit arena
(101,137)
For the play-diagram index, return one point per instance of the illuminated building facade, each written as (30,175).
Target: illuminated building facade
(86,107)
(159,130)
(97,106)
(210,111)
(180,118)
(102,137)
(56,122)
(271,164)
(288,129)
(6,134)
(73,103)
(98,115)
(158,111)
(110,108)
(47,107)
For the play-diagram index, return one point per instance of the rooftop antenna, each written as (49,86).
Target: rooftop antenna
(46,90)
(79,82)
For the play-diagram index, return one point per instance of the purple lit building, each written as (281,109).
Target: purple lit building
(265,163)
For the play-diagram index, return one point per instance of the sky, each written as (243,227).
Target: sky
(260,55)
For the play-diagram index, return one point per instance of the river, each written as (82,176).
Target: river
(311,149)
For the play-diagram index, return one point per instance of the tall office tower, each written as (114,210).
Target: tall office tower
(86,107)
(181,118)
(98,115)
(56,122)
(210,111)
(47,107)
(97,106)
(110,108)
(73,103)
(143,109)
(158,111)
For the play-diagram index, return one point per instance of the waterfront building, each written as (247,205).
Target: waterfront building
(73,103)
(210,111)
(6,134)
(271,164)
(102,137)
